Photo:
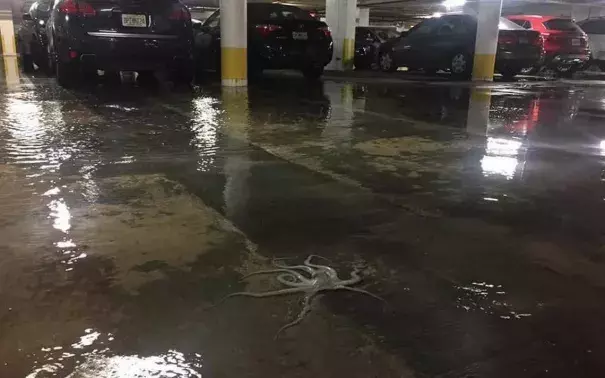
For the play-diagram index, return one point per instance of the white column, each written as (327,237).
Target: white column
(486,43)
(363,16)
(340,17)
(234,42)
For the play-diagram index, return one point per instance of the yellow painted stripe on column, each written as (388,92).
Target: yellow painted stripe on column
(234,63)
(348,53)
(483,67)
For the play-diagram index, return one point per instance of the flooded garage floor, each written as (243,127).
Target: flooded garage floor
(127,213)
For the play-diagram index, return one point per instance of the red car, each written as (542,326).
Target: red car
(565,44)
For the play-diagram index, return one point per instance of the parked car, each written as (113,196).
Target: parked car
(565,44)
(31,36)
(367,44)
(119,35)
(448,42)
(595,28)
(279,37)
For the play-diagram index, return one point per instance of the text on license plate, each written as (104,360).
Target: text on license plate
(575,42)
(134,20)
(523,40)
(299,35)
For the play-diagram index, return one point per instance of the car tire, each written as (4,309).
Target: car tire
(461,65)
(313,73)
(66,73)
(184,76)
(386,62)
(510,73)
(27,63)
(51,61)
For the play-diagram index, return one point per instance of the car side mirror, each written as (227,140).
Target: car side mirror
(27,17)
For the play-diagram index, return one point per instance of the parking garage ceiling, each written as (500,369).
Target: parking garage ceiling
(400,9)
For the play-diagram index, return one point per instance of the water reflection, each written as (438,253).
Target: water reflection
(60,214)
(205,116)
(90,357)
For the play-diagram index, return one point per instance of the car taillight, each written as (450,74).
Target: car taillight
(77,8)
(267,29)
(538,41)
(326,31)
(180,14)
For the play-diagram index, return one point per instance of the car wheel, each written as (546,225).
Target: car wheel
(183,76)
(461,65)
(27,63)
(510,73)
(50,57)
(313,73)
(386,62)
(66,73)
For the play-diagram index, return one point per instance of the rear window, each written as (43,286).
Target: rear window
(561,25)
(506,24)
(593,27)
(278,13)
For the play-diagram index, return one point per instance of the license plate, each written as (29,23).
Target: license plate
(523,41)
(575,42)
(134,20)
(301,36)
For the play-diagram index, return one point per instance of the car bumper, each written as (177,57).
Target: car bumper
(567,58)
(278,58)
(506,59)
(115,51)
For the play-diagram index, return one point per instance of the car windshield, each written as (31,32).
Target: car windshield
(561,25)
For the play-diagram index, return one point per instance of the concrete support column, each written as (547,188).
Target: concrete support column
(486,43)
(340,16)
(363,16)
(234,42)
(7,33)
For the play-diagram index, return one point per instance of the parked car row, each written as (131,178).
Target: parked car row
(526,43)
(73,39)
(448,43)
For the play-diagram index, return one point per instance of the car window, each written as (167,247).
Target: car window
(32,10)
(275,12)
(363,34)
(453,25)
(44,5)
(594,27)
(214,20)
(425,27)
(561,24)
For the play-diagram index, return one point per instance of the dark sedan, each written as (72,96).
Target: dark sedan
(279,37)
(120,35)
(448,43)
(31,37)
(367,44)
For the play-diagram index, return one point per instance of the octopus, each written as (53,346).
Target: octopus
(309,279)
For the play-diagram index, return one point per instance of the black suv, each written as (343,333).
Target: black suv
(279,37)
(119,35)
(31,37)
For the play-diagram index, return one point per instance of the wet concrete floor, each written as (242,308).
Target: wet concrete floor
(127,212)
